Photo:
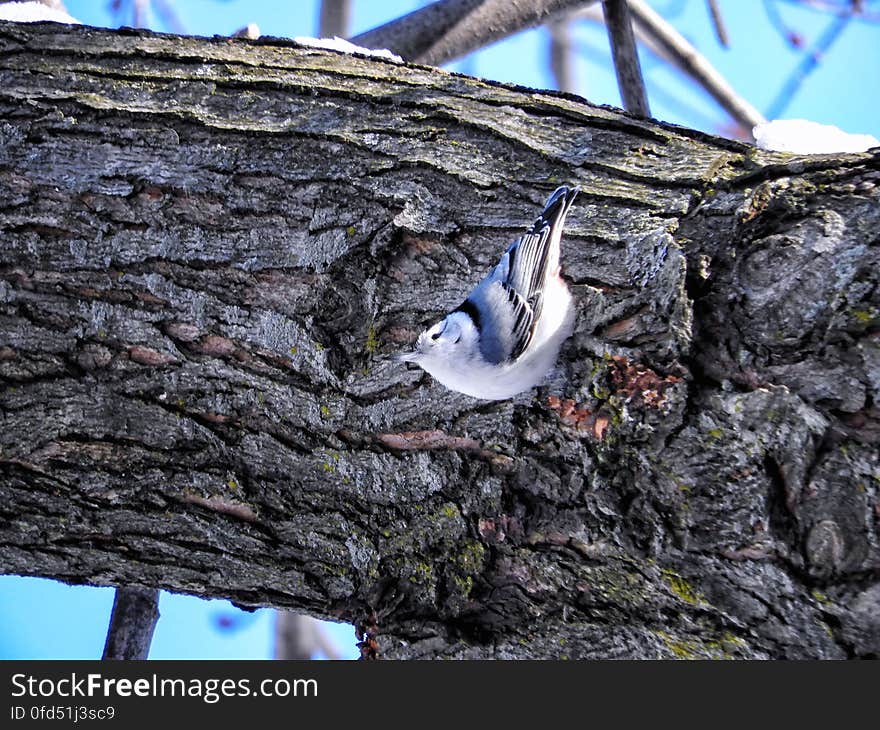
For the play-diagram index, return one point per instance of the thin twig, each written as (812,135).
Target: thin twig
(694,64)
(626,57)
(449,29)
(718,23)
(134,617)
(141,13)
(808,64)
(835,7)
(169,16)
(663,42)
(335,19)
(561,55)
(790,36)
(657,53)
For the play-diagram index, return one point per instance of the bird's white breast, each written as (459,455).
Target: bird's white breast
(480,379)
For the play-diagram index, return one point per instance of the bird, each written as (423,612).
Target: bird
(505,337)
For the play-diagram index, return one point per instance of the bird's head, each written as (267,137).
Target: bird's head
(442,342)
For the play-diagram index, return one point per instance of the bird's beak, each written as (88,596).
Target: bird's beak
(407,356)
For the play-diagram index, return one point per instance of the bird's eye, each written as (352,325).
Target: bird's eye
(435,336)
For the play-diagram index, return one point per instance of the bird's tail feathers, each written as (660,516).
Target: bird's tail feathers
(556,208)
(553,217)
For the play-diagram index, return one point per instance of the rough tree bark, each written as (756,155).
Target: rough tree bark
(208,246)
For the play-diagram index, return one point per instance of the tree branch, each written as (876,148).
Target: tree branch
(694,64)
(132,623)
(666,52)
(561,55)
(449,29)
(718,23)
(809,62)
(335,19)
(626,57)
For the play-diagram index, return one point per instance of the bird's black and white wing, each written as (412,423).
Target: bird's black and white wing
(506,306)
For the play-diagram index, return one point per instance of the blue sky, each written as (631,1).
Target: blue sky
(45,619)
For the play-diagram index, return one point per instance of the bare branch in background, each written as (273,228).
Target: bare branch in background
(626,57)
(678,97)
(134,617)
(562,55)
(808,64)
(595,15)
(694,64)
(166,11)
(141,13)
(859,8)
(335,19)
(413,35)
(449,29)
(792,37)
(670,47)
(301,637)
(843,11)
(718,23)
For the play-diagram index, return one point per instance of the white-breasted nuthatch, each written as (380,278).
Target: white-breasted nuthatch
(505,337)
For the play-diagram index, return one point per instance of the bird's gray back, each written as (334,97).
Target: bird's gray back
(506,305)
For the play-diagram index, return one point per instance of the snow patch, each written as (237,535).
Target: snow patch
(340,44)
(251,30)
(809,138)
(32,12)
